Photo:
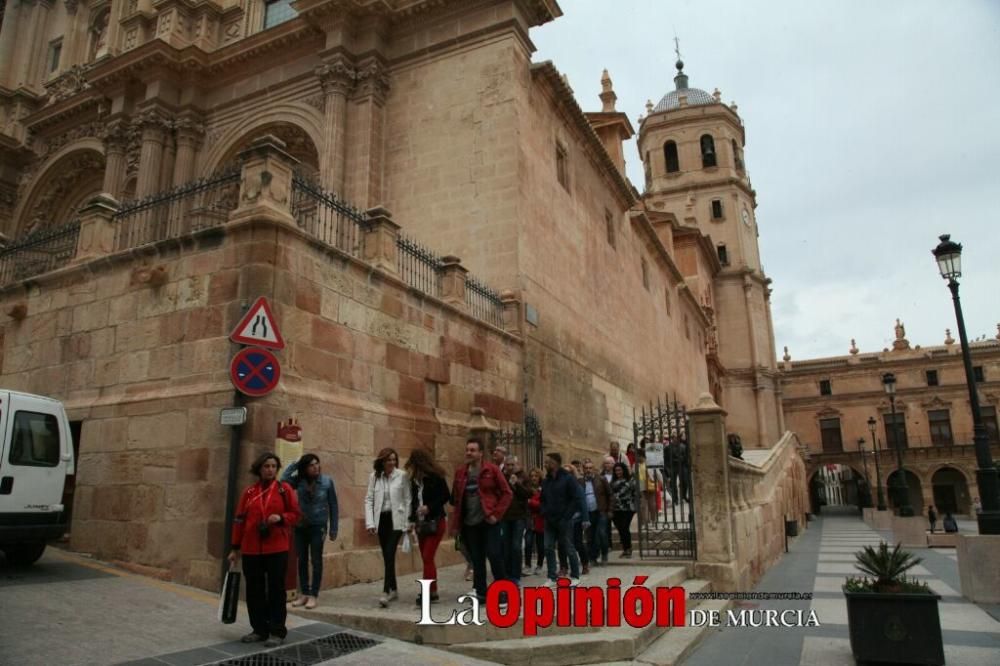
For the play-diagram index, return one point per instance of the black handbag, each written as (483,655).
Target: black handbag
(427,527)
(229,600)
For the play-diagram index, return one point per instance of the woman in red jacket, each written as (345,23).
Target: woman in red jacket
(264,518)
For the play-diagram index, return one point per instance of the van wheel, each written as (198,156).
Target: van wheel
(24,554)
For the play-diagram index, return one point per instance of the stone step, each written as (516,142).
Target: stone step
(609,644)
(675,645)
(356,606)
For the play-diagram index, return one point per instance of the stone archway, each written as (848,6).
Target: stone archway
(64,186)
(914,490)
(951,491)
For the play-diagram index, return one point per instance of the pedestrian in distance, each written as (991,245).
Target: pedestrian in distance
(614,452)
(481,496)
(623,496)
(317,497)
(977,506)
(932,517)
(266,512)
(949,523)
(534,542)
(515,519)
(597,494)
(429,495)
(387,511)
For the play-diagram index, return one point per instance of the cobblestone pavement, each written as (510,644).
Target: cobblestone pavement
(818,562)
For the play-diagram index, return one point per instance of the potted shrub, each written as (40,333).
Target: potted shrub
(892,618)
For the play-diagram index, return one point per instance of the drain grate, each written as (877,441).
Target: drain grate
(305,654)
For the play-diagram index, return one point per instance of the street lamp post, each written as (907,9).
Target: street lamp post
(868,480)
(949,259)
(878,471)
(903,491)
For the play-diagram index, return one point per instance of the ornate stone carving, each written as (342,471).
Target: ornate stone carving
(115,136)
(73,81)
(45,148)
(51,202)
(373,80)
(317,101)
(131,38)
(71,6)
(336,77)
(231,31)
(189,129)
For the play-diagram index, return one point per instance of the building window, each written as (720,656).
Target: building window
(55,53)
(707,151)
(716,209)
(829,430)
(645,274)
(562,167)
(609,224)
(989,416)
(723,254)
(977,373)
(670,157)
(932,378)
(737,156)
(940,424)
(895,430)
(277,12)
(825,388)
(647,168)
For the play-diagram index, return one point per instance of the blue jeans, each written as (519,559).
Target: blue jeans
(513,548)
(563,534)
(597,536)
(485,542)
(309,543)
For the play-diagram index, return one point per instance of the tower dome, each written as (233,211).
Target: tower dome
(695,96)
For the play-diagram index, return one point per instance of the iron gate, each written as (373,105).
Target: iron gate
(663,481)
(524,442)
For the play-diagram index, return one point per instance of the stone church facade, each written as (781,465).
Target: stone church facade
(438,224)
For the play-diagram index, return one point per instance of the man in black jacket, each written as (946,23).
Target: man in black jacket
(560,500)
(515,519)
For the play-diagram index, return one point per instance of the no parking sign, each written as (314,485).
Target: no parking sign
(255,372)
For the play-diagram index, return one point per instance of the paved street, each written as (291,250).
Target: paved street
(819,561)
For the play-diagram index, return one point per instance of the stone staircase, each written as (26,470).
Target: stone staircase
(356,607)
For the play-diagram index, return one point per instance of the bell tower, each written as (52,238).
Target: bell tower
(691,146)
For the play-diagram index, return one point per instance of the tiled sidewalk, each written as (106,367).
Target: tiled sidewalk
(819,561)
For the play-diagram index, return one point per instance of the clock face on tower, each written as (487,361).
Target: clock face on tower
(746,217)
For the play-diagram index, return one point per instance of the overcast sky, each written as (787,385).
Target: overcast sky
(872,128)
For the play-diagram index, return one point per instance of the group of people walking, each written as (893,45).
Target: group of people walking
(503,515)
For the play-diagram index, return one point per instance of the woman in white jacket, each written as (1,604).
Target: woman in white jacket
(387,510)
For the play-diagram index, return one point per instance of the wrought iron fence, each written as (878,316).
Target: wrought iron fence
(199,204)
(525,442)
(482,302)
(418,267)
(322,215)
(39,252)
(663,474)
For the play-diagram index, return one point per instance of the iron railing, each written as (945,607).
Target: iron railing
(419,267)
(483,303)
(199,204)
(322,215)
(524,443)
(39,252)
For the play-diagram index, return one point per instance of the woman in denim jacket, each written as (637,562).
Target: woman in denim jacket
(318,502)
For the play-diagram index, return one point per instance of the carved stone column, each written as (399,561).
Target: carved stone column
(367,121)
(189,135)
(337,79)
(266,185)
(153,125)
(115,144)
(713,505)
(8,33)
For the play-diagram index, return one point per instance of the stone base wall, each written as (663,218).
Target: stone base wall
(764,493)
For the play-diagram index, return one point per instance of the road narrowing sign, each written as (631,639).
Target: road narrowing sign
(258,327)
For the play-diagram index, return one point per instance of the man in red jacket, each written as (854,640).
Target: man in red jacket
(481,496)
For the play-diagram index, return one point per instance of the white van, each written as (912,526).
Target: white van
(36,454)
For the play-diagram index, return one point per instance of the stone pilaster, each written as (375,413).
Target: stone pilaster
(481,428)
(189,133)
(266,182)
(154,126)
(97,231)
(337,80)
(453,275)
(713,510)
(511,312)
(8,35)
(381,235)
(365,149)
(115,138)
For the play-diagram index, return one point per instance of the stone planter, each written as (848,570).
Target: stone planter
(903,628)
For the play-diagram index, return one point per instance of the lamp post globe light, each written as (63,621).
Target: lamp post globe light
(902,489)
(878,470)
(949,260)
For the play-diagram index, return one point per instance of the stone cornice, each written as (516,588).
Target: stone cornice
(546,73)
(600,120)
(920,357)
(739,183)
(66,109)
(691,114)
(919,396)
(538,12)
